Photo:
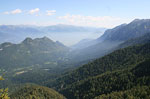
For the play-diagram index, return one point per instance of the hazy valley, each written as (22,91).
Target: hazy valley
(110,66)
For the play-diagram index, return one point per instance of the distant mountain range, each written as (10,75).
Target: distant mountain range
(70,28)
(17,33)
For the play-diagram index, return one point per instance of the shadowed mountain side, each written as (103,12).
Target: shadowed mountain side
(134,41)
(111,39)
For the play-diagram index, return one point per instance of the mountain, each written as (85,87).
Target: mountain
(31,52)
(114,72)
(30,91)
(136,28)
(111,39)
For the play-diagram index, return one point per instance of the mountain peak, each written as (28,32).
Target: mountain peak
(135,20)
(140,20)
(28,40)
(43,39)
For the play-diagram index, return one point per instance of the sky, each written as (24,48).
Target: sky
(94,13)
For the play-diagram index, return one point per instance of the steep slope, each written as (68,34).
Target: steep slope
(36,92)
(30,52)
(134,41)
(120,59)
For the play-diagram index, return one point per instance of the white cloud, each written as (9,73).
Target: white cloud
(16,11)
(34,11)
(6,12)
(50,12)
(98,21)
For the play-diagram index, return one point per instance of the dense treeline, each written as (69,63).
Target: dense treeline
(123,58)
(139,92)
(109,82)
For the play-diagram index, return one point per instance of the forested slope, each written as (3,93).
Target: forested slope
(114,72)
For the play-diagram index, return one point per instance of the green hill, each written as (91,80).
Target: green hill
(36,92)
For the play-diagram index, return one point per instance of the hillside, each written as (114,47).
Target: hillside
(118,59)
(134,41)
(109,82)
(71,82)
(139,92)
(36,92)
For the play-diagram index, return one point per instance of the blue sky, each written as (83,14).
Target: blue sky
(96,13)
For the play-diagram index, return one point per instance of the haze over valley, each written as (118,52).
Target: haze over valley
(67,34)
(74,49)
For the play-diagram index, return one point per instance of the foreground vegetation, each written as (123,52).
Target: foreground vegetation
(30,91)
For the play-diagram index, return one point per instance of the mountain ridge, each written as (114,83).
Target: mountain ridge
(31,51)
